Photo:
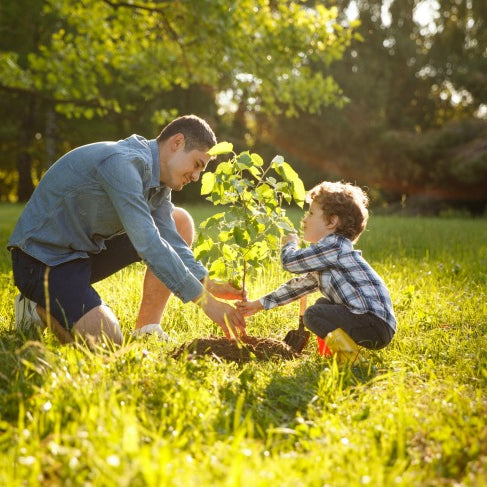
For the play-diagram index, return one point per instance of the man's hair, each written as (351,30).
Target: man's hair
(347,202)
(197,133)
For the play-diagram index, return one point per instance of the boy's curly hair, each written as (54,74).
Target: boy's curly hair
(345,200)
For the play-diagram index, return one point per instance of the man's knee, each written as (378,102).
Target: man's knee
(99,322)
(184,224)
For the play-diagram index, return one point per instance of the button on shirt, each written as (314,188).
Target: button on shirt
(333,267)
(101,190)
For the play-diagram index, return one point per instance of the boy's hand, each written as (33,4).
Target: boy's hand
(290,237)
(248,308)
(224,290)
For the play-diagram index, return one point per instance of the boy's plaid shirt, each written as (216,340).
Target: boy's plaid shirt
(341,274)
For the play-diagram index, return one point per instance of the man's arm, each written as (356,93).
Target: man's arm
(168,229)
(123,184)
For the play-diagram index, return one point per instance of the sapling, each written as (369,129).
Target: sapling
(240,240)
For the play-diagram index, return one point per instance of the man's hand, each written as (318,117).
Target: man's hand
(228,318)
(249,308)
(291,237)
(224,290)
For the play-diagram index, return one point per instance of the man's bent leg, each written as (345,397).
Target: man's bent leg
(155,294)
(65,299)
(97,323)
(63,335)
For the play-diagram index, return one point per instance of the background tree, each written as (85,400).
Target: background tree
(272,76)
(120,60)
(417,95)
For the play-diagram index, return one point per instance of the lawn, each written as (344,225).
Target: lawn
(412,415)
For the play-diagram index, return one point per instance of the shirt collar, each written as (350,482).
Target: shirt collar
(335,238)
(156,169)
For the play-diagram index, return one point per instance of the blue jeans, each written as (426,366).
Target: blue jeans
(69,285)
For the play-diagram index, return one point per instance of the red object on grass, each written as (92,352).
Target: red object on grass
(323,348)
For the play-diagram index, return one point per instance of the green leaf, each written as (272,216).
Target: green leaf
(273,241)
(286,171)
(207,183)
(258,251)
(256,159)
(265,192)
(277,160)
(285,225)
(242,237)
(224,168)
(212,220)
(229,254)
(255,171)
(299,193)
(224,236)
(218,268)
(272,181)
(203,247)
(244,161)
(221,148)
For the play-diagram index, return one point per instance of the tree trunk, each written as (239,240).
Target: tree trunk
(24,158)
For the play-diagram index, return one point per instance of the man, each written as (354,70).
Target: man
(101,207)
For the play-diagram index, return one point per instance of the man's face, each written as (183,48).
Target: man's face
(183,167)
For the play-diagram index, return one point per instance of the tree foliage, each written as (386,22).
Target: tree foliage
(109,58)
(239,241)
(417,90)
(280,71)
(264,53)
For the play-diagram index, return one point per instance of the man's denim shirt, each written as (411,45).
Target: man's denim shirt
(101,190)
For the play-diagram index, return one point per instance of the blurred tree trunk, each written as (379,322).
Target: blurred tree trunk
(24,158)
(51,128)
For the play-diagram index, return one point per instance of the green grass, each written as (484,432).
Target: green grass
(414,415)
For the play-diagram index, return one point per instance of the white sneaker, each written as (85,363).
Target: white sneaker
(26,316)
(152,329)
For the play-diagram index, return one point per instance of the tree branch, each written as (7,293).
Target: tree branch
(47,97)
(138,6)
(170,29)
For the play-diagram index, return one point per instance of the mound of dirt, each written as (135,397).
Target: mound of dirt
(238,351)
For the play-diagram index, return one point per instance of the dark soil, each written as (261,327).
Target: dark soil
(243,351)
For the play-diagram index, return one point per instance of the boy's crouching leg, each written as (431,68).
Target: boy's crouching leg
(99,323)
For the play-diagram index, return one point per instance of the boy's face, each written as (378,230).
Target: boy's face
(315,226)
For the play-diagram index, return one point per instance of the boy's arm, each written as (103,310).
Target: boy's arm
(316,257)
(290,291)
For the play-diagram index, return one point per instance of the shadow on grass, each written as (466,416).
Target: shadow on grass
(313,381)
(287,397)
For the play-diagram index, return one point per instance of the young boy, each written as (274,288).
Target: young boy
(355,297)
